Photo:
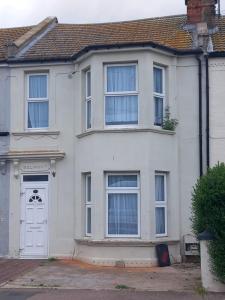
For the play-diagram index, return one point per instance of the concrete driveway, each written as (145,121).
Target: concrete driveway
(75,275)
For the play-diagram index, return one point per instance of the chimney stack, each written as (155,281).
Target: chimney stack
(201,23)
(201,11)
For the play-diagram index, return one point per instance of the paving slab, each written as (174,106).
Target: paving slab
(12,268)
(76,275)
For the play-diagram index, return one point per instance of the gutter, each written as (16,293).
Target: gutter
(4,133)
(87,49)
(217,54)
(200,113)
(133,45)
(207,112)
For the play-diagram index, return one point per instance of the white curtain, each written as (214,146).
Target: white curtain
(37,86)
(122,181)
(160,220)
(121,110)
(159,188)
(38,114)
(158,80)
(121,78)
(158,111)
(122,214)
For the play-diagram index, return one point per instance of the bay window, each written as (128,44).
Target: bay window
(37,101)
(122,197)
(121,95)
(160,204)
(159,94)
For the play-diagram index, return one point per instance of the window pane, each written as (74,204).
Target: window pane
(30,178)
(88,113)
(38,86)
(160,220)
(158,80)
(88,187)
(122,214)
(89,220)
(121,110)
(159,188)
(122,181)
(121,78)
(158,111)
(88,84)
(37,114)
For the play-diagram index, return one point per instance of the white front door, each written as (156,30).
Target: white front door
(34,220)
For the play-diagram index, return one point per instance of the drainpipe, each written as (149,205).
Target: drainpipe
(207,111)
(200,113)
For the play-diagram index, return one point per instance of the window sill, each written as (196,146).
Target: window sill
(126,130)
(35,133)
(121,242)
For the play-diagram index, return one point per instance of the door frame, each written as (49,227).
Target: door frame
(22,199)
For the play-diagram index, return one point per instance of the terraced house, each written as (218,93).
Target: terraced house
(89,170)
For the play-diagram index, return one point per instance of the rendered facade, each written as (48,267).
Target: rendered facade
(89,171)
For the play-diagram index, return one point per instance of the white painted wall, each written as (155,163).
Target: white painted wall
(143,149)
(61,202)
(217,110)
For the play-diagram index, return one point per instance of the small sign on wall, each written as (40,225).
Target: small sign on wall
(35,166)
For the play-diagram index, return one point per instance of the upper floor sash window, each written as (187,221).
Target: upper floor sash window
(121,95)
(88,99)
(37,101)
(159,94)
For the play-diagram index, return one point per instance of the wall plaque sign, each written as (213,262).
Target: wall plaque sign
(35,166)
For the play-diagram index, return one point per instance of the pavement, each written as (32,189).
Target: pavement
(32,294)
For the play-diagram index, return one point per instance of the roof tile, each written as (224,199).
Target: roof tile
(65,40)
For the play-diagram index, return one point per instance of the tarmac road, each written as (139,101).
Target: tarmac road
(44,294)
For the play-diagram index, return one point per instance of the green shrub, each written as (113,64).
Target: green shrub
(168,123)
(208,212)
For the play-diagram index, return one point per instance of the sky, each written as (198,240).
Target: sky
(14,13)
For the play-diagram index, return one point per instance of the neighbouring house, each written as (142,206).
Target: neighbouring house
(4,168)
(89,171)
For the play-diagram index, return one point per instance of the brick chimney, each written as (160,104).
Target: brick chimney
(201,11)
(201,23)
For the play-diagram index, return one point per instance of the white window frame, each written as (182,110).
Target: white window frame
(163,204)
(88,204)
(160,95)
(124,93)
(88,98)
(33,100)
(127,190)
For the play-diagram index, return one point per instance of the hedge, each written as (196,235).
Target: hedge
(208,212)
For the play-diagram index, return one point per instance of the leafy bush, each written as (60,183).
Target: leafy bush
(208,212)
(168,123)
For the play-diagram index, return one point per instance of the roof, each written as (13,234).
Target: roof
(68,39)
(64,41)
(9,35)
